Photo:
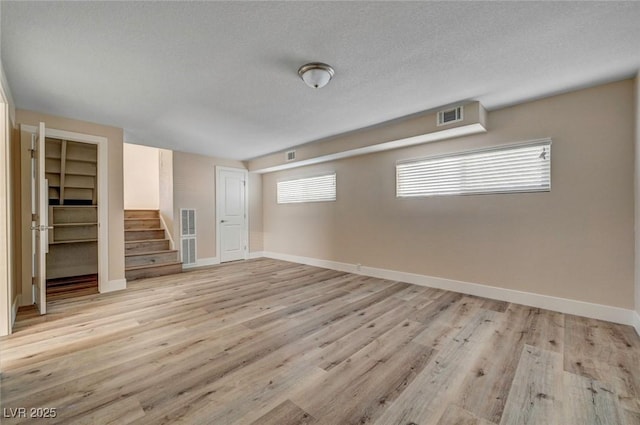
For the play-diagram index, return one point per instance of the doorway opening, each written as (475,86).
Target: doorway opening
(72,196)
(64,213)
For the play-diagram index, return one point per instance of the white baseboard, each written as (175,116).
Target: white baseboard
(562,305)
(256,254)
(114,285)
(202,262)
(637,322)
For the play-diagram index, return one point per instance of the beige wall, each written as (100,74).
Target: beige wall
(255,213)
(194,187)
(116,215)
(574,242)
(402,128)
(141,168)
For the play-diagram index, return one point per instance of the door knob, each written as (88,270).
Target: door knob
(223,221)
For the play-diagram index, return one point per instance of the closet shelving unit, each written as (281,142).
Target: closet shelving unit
(71,172)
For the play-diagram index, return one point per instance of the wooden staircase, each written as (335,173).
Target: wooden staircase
(148,250)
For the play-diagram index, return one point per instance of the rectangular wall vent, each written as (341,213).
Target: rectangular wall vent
(188,251)
(188,235)
(290,155)
(449,116)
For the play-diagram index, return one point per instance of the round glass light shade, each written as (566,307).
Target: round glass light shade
(316,75)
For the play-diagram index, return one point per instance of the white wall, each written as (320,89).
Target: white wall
(141,177)
(6,285)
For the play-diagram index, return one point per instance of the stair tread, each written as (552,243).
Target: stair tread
(133,209)
(144,230)
(151,266)
(164,251)
(141,218)
(146,240)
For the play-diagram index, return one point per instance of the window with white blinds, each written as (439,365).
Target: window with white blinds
(515,168)
(310,189)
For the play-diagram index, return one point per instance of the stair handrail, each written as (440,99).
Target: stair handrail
(166,230)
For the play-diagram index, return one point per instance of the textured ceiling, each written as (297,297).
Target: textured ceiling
(220,78)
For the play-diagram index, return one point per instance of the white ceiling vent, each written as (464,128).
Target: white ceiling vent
(449,116)
(290,155)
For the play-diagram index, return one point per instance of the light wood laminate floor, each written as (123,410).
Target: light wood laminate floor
(270,342)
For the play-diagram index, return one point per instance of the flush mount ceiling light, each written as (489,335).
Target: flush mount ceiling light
(315,74)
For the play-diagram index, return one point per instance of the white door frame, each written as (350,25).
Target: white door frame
(103,200)
(6,276)
(246,209)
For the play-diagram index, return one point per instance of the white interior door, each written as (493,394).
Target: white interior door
(232,214)
(39,224)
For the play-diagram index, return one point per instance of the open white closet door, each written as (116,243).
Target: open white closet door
(39,224)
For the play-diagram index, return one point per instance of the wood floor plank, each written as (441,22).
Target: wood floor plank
(284,368)
(246,394)
(546,329)
(495,305)
(241,396)
(607,353)
(588,401)
(290,311)
(486,386)
(97,388)
(449,322)
(47,348)
(37,376)
(120,412)
(412,292)
(439,305)
(630,417)
(268,341)
(286,413)
(396,362)
(341,349)
(424,400)
(149,340)
(456,415)
(536,394)
(196,380)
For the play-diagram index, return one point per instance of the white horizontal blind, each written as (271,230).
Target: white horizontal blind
(516,168)
(310,189)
